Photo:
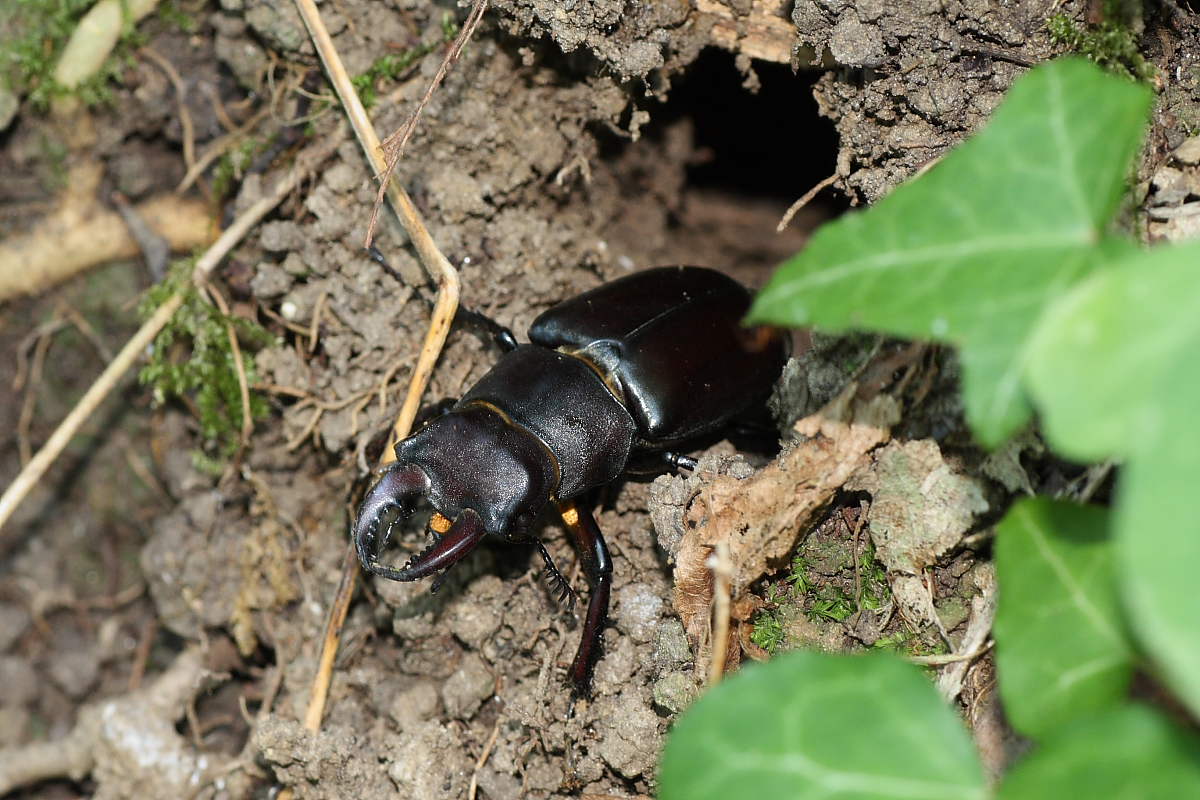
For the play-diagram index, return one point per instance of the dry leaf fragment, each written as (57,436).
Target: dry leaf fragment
(761,517)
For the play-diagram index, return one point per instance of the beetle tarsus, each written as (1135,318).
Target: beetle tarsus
(559,586)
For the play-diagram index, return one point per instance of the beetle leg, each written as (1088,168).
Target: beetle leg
(680,461)
(660,461)
(502,336)
(558,584)
(598,565)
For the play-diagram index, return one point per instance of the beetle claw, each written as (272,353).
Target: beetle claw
(398,487)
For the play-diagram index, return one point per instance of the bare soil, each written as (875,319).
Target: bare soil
(571,144)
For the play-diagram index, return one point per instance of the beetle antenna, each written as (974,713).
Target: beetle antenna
(482,325)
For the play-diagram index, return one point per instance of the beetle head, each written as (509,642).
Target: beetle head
(478,469)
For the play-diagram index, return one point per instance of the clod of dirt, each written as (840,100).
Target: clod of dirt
(334,762)
(925,74)
(473,616)
(414,705)
(429,762)
(629,734)
(638,609)
(128,744)
(920,506)
(14,621)
(465,690)
(280,26)
(1003,464)
(675,691)
(18,681)
(1174,201)
(76,669)
(671,649)
(616,667)
(631,39)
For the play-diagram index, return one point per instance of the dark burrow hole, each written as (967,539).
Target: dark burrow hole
(743,157)
(769,144)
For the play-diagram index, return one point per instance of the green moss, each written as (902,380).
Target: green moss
(873,579)
(174,16)
(895,641)
(1112,44)
(35,32)
(798,578)
(768,631)
(832,604)
(390,67)
(233,165)
(192,358)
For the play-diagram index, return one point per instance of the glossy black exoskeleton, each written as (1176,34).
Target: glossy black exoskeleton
(633,368)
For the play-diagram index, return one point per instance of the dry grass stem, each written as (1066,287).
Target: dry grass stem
(483,757)
(438,268)
(394,145)
(218,148)
(185,117)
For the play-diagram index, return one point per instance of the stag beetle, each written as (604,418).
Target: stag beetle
(629,370)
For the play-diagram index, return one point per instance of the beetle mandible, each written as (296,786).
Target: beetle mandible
(629,370)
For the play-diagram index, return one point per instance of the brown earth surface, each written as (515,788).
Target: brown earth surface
(148,605)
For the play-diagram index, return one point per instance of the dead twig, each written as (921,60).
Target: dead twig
(239,365)
(314,327)
(804,200)
(185,117)
(439,328)
(483,757)
(133,349)
(856,539)
(722,570)
(219,147)
(85,328)
(24,448)
(141,656)
(942,659)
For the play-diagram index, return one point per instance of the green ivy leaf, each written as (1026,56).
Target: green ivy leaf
(971,252)
(814,725)
(1130,753)
(1105,355)
(1061,650)
(1112,367)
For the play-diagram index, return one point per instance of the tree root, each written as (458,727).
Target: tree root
(82,233)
